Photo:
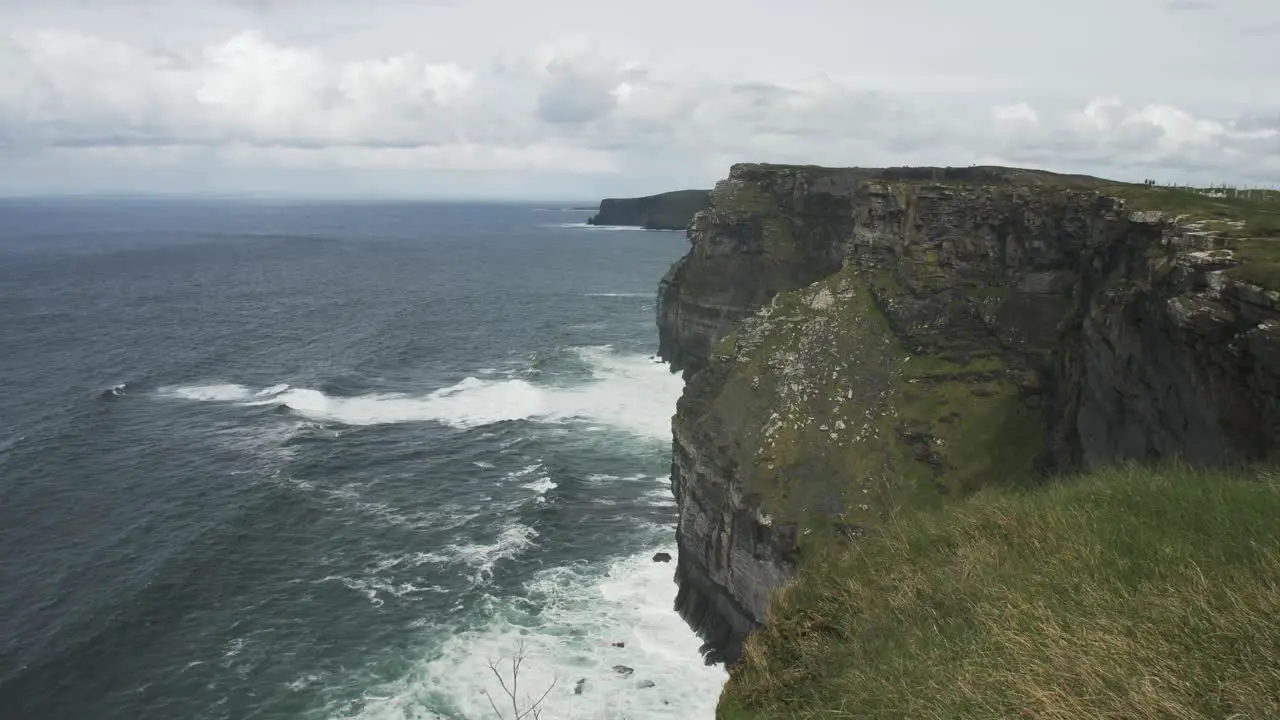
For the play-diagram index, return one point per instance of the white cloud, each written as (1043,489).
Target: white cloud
(233,100)
(260,92)
(453,157)
(1016,113)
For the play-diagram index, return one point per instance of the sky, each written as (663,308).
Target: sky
(579,99)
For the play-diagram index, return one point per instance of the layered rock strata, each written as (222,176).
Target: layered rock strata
(861,340)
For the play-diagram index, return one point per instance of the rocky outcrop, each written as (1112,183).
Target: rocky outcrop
(859,340)
(666,211)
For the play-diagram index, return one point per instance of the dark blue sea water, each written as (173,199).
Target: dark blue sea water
(289,460)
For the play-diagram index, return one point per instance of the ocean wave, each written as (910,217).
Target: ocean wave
(661,497)
(480,558)
(600,228)
(114,392)
(541,485)
(223,392)
(374,588)
(607,479)
(629,392)
(348,498)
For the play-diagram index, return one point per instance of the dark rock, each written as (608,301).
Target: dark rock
(578,686)
(665,211)
(662,557)
(619,644)
(1106,335)
(623,669)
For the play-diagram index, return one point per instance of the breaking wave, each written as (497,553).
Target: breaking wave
(630,392)
(605,636)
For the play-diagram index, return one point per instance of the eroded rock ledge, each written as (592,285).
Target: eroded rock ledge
(857,340)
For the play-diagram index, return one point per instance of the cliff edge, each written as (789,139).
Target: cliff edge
(859,341)
(666,211)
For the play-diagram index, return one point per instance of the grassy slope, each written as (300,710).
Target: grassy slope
(1135,593)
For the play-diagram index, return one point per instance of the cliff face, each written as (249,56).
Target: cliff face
(861,340)
(667,211)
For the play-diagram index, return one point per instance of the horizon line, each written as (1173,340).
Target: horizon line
(309,197)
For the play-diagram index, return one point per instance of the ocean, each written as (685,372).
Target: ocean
(264,459)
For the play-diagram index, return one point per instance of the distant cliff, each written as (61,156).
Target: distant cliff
(859,341)
(666,211)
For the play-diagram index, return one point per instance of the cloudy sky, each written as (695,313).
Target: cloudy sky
(568,99)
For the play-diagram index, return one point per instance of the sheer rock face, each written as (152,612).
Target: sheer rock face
(858,339)
(666,211)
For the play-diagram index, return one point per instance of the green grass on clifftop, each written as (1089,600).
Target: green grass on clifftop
(1251,220)
(1132,593)
(1236,215)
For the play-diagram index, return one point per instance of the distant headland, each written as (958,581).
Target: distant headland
(665,211)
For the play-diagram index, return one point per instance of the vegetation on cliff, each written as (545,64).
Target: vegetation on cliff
(1250,223)
(1131,593)
(858,425)
(897,356)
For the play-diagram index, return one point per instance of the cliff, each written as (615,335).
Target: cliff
(861,341)
(666,211)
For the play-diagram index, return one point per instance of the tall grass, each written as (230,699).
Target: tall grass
(1131,593)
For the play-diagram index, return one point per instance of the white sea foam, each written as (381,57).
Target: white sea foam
(376,589)
(541,482)
(480,558)
(584,612)
(348,499)
(633,393)
(525,471)
(661,497)
(599,228)
(233,647)
(542,485)
(267,446)
(606,479)
(209,393)
(619,295)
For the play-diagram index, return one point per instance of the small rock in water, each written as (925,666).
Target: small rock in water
(646,684)
(577,687)
(623,669)
(662,557)
(618,643)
